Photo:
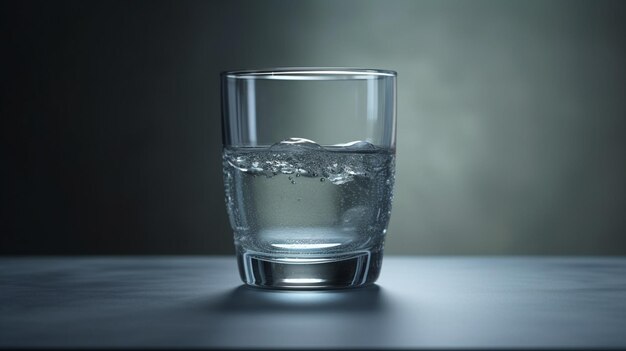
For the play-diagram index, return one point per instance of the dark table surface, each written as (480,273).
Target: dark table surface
(418,302)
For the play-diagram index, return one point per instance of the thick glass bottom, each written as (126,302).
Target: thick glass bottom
(327,272)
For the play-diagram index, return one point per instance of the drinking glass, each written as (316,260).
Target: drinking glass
(309,162)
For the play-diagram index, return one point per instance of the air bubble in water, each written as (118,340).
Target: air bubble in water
(357,145)
(299,157)
(295,144)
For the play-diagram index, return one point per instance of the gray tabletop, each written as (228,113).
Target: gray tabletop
(418,302)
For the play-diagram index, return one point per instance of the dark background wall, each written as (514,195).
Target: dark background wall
(511,116)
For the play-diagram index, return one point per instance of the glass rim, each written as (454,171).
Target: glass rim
(310,73)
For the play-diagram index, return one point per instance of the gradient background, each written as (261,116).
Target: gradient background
(511,119)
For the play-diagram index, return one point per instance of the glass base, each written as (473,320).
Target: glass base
(329,272)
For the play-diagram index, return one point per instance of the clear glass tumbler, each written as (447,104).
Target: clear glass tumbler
(309,160)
